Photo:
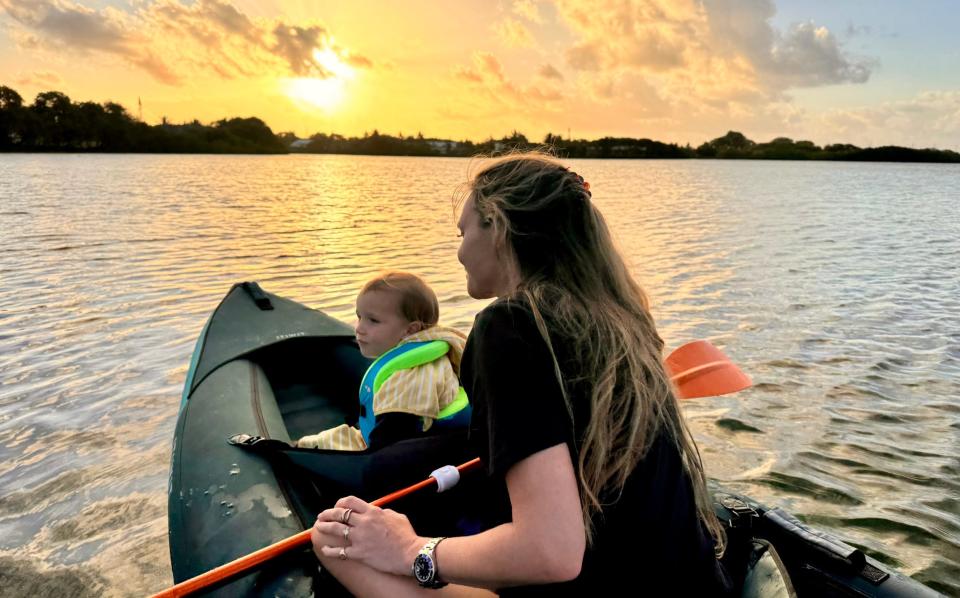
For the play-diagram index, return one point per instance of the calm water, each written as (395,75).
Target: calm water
(836,286)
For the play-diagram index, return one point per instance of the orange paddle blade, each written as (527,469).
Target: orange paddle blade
(699,369)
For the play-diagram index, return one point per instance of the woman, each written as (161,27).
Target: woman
(601,486)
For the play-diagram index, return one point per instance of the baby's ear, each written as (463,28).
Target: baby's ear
(414,327)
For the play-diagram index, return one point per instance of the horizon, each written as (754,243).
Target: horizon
(680,73)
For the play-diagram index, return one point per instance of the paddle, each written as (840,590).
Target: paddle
(697,369)
(253,559)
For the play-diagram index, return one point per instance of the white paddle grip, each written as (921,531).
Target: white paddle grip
(447,477)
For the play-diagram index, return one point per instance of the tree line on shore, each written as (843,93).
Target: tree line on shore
(55,123)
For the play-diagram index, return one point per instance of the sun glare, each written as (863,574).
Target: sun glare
(325,93)
(319,93)
(329,60)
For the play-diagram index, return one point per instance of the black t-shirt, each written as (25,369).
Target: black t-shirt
(650,540)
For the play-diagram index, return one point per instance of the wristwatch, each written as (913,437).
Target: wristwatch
(425,565)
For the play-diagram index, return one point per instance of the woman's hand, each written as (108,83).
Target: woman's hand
(358,531)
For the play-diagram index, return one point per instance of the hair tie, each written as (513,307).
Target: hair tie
(583,183)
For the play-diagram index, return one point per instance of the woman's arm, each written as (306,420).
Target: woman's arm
(544,543)
(362,581)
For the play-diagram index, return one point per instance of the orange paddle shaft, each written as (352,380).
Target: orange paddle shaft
(253,559)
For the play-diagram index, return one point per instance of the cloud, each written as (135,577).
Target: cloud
(929,119)
(683,70)
(296,46)
(486,68)
(584,57)
(687,42)
(806,55)
(357,61)
(467,73)
(547,71)
(529,10)
(64,26)
(488,80)
(616,34)
(514,33)
(47,79)
(206,36)
(159,70)
(809,56)
(72,25)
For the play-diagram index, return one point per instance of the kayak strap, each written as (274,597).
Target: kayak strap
(822,541)
(257,444)
(258,296)
(827,544)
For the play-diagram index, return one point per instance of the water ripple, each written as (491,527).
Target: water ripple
(836,286)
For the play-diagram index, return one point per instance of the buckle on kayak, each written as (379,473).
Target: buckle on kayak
(258,444)
(742,513)
(244,440)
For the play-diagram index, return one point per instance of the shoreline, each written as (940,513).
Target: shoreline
(479,155)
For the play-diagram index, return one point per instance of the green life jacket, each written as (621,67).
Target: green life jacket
(402,357)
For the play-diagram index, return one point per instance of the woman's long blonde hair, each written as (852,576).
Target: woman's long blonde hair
(543,216)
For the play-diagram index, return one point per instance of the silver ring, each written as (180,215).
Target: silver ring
(346,534)
(343,554)
(345,518)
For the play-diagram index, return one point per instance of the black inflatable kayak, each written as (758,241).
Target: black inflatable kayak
(269,367)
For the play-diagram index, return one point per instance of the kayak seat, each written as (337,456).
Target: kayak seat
(263,402)
(253,407)
(314,382)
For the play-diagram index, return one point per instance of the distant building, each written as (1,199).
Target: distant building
(441,145)
(299,144)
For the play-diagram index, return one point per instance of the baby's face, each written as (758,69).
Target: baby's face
(380,325)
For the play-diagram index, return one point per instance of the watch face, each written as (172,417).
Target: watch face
(423,568)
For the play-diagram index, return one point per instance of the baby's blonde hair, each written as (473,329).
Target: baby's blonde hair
(418,302)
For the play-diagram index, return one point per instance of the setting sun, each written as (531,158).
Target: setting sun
(329,60)
(320,93)
(325,93)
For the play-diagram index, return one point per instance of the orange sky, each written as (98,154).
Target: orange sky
(674,70)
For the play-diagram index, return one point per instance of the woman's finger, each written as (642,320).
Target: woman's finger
(353,503)
(341,514)
(333,514)
(344,553)
(332,528)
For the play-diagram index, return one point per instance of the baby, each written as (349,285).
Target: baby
(414,383)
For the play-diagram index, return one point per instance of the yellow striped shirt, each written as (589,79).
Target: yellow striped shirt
(424,390)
